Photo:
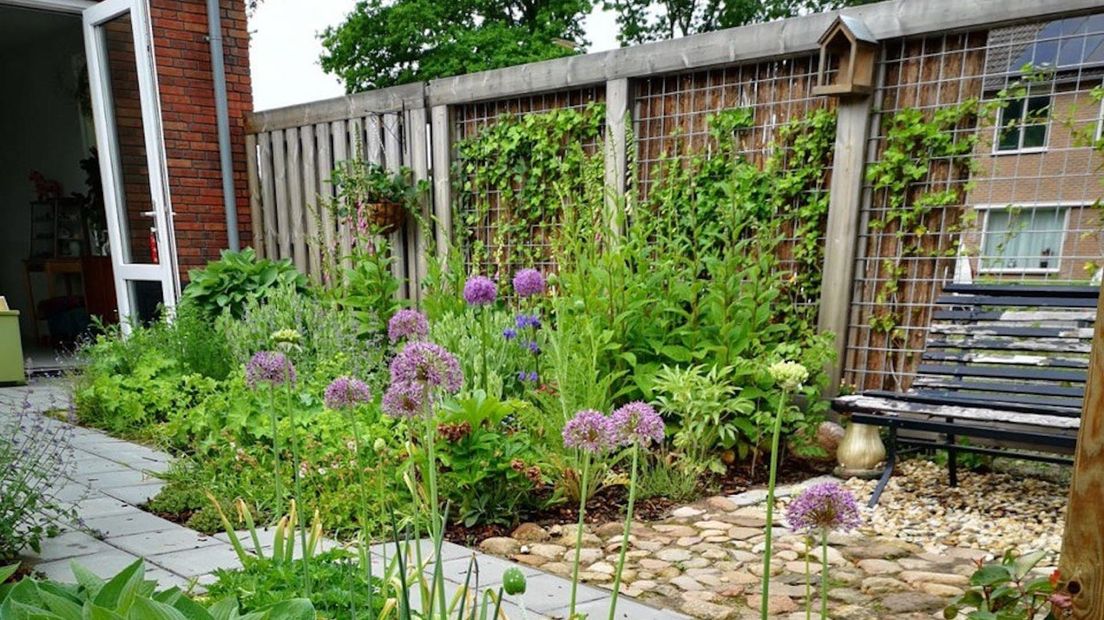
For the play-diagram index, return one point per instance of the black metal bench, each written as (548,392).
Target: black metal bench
(1002,363)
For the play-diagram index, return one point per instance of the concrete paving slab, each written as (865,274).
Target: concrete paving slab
(487,570)
(124,477)
(137,494)
(101,506)
(155,543)
(548,593)
(627,609)
(129,523)
(69,544)
(104,564)
(89,464)
(196,562)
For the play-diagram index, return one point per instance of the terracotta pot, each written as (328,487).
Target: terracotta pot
(384,217)
(861,448)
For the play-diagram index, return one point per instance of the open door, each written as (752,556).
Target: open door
(126,111)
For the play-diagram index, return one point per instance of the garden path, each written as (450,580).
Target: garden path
(705,558)
(111,478)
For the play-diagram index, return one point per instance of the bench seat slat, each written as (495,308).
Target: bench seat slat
(1015,300)
(1024,374)
(1010,402)
(1004,343)
(1041,389)
(1027,317)
(1034,361)
(1042,290)
(975,415)
(1011,330)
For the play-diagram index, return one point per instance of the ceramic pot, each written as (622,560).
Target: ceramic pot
(861,448)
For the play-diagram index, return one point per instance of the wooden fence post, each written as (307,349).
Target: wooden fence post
(441,145)
(618,120)
(1082,562)
(842,230)
(256,220)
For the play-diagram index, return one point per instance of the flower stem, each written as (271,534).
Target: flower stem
(579,532)
(484,316)
(298,494)
(435,526)
(277,506)
(363,505)
(775,439)
(808,579)
(625,534)
(824,574)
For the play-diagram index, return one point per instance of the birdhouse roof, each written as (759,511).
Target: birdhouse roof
(852,27)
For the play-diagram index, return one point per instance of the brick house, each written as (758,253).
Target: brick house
(167,201)
(1038,178)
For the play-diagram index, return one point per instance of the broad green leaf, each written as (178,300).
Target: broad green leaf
(149,609)
(118,594)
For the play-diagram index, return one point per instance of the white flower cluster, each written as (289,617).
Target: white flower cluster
(789,376)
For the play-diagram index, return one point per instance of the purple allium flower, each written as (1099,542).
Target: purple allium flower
(824,506)
(509,333)
(533,347)
(524,321)
(427,364)
(403,400)
(637,422)
(528,282)
(589,430)
(480,290)
(269,367)
(407,323)
(346,393)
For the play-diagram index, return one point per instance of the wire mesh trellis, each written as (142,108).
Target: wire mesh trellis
(1009,187)
(482,211)
(672,123)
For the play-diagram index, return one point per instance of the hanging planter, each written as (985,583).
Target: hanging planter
(382,217)
(373,199)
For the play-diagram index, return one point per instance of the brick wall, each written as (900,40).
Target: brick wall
(188,121)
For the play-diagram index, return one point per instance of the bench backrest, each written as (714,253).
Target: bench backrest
(1016,347)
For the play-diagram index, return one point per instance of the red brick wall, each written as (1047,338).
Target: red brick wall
(188,120)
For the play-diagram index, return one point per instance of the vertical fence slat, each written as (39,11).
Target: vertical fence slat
(441,145)
(340,154)
(256,220)
(417,243)
(283,212)
(268,195)
(373,145)
(295,199)
(323,144)
(392,153)
(312,204)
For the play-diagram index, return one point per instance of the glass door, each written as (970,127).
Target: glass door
(122,79)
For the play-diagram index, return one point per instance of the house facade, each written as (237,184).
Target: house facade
(118,180)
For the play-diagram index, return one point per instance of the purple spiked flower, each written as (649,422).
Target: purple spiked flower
(509,333)
(407,323)
(533,347)
(528,282)
(428,365)
(590,431)
(824,506)
(346,393)
(637,422)
(524,321)
(269,367)
(403,400)
(480,290)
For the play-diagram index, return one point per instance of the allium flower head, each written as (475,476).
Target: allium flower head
(346,393)
(407,323)
(591,431)
(286,339)
(637,422)
(403,400)
(480,290)
(789,376)
(528,282)
(426,364)
(269,368)
(824,506)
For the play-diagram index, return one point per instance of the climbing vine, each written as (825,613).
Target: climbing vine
(518,174)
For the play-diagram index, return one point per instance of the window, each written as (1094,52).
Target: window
(1023,124)
(1023,239)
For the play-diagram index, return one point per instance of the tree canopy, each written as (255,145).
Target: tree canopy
(641,21)
(383,44)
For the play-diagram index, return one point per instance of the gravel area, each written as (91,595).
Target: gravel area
(987,511)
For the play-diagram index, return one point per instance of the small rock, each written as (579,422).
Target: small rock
(910,602)
(878,567)
(926,577)
(586,556)
(610,529)
(828,436)
(775,604)
(677,531)
(686,512)
(941,590)
(719,502)
(601,567)
(706,610)
(653,564)
(529,560)
(500,545)
(546,550)
(673,555)
(881,585)
(530,533)
(686,583)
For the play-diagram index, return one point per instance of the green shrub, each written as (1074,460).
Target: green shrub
(237,278)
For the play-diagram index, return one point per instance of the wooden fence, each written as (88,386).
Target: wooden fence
(926,48)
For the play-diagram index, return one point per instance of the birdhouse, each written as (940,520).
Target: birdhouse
(846,67)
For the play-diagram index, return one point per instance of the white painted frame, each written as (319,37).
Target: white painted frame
(59,6)
(1067,206)
(165,271)
(1022,150)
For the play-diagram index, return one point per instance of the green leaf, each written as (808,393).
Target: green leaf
(118,594)
(149,609)
(7,571)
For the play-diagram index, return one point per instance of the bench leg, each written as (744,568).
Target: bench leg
(952,458)
(891,459)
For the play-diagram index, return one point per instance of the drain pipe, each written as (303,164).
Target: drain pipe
(222,117)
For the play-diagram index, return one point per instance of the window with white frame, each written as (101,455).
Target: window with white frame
(1023,239)
(1022,124)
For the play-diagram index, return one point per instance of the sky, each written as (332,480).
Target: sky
(284,49)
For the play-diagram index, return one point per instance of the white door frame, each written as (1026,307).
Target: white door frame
(164,271)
